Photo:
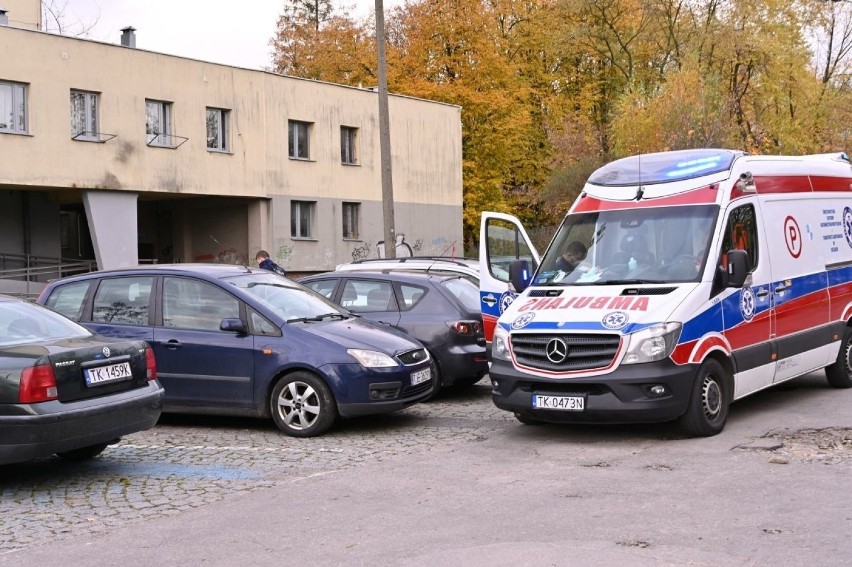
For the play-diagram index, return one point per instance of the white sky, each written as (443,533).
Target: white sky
(230,32)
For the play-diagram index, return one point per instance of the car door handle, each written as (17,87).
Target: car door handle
(762,293)
(173,344)
(781,288)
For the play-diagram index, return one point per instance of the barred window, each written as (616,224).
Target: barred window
(84,115)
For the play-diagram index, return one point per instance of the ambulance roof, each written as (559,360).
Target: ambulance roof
(664,167)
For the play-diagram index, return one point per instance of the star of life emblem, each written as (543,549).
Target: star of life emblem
(523,320)
(506,300)
(615,320)
(747,304)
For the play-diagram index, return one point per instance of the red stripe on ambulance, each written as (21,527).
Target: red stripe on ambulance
(692,197)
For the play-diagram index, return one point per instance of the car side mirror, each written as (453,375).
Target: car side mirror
(233,325)
(520,274)
(739,268)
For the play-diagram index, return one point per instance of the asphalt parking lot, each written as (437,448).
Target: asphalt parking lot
(455,481)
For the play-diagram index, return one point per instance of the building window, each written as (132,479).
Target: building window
(301,219)
(158,123)
(13,107)
(299,135)
(351,213)
(84,115)
(348,139)
(217,130)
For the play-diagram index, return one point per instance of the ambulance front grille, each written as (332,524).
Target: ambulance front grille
(581,351)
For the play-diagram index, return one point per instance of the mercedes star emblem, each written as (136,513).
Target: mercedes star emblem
(556,350)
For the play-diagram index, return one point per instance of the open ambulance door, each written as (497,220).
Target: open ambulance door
(502,240)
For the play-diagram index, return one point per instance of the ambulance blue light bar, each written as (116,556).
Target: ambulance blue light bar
(663,167)
(691,167)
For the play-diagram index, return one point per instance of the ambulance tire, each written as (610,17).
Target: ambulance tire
(709,401)
(839,374)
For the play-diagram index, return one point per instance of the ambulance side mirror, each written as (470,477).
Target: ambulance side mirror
(520,274)
(739,267)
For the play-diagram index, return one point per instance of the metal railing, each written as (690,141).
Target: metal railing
(26,274)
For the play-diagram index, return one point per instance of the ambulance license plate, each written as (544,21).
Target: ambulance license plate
(104,374)
(563,403)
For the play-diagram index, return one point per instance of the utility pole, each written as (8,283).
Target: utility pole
(384,135)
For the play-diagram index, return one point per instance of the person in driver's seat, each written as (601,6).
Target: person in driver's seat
(572,255)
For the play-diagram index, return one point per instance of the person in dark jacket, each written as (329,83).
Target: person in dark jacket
(571,256)
(265,263)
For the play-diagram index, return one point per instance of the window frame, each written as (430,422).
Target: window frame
(297,218)
(113,284)
(295,149)
(58,300)
(194,312)
(91,116)
(348,145)
(750,232)
(223,141)
(351,211)
(164,121)
(362,287)
(20,121)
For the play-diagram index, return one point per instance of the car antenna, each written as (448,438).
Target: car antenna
(641,190)
(452,245)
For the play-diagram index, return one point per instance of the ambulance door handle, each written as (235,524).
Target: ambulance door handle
(781,288)
(762,293)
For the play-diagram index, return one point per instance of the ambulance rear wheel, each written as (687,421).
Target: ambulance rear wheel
(839,374)
(709,401)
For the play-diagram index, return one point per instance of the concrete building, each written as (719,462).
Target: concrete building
(123,155)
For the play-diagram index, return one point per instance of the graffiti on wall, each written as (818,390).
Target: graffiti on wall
(226,255)
(284,254)
(231,256)
(361,252)
(403,249)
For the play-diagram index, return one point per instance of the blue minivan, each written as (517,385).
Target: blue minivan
(234,340)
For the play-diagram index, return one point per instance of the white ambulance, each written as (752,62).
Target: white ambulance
(677,283)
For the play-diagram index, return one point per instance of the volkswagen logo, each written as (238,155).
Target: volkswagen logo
(556,351)
(106,352)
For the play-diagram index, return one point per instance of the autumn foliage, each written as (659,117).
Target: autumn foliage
(550,89)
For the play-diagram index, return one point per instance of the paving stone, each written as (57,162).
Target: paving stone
(190,461)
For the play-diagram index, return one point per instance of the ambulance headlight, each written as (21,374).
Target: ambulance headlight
(500,344)
(651,344)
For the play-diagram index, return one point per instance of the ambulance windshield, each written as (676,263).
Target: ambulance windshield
(648,245)
(663,167)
